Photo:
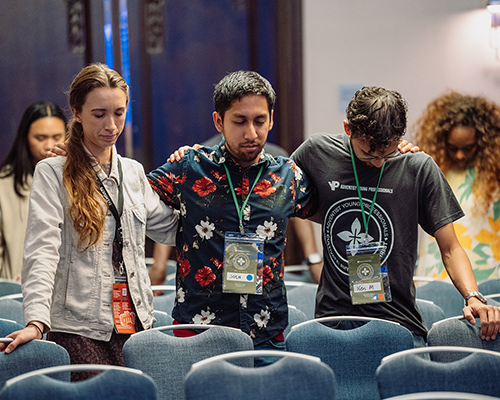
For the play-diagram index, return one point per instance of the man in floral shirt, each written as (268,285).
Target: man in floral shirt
(208,185)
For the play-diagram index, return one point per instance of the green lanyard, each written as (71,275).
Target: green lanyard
(238,209)
(365,220)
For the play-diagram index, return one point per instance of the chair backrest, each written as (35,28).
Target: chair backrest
(430,312)
(353,354)
(294,376)
(12,309)
(167,359)
(31,356)
(162,319)
(165,302)
(490,286)
(295,316)
(442,396)
(408,372)
(458,332)
(114,383)
(8,326)
(8,287)
(494,298)
(444,295)
(303,297)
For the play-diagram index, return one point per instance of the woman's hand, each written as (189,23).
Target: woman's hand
(22,336)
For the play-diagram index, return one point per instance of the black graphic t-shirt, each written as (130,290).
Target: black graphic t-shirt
(412,191)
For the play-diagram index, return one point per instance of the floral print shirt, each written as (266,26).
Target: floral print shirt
(198,186)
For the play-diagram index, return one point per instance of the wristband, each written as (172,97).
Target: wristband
(38,329)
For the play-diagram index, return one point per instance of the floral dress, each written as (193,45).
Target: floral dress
(479,234)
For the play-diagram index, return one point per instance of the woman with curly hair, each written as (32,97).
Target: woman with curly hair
(462,134)
(85,281)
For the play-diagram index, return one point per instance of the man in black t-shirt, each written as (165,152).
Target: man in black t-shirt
(363,170)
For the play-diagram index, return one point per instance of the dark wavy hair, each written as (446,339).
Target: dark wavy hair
(20,162)
(239,84)
(378,116)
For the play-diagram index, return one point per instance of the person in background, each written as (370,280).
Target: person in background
(462,134)
(42,125)
(372,199)
(84,275)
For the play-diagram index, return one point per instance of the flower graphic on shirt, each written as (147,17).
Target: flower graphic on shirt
(204,276)
(184,268)
(218,263)
(205,318)
(264,188)
(354,237)
(491,237)
(205,229)
(183,209)
(275,177)
(262,319)
(204,186)
(217,175)
(180,296)
(166,184)
(464,240)
(296,170)
(267,274)
(242,189)
(244,301)
(267,230)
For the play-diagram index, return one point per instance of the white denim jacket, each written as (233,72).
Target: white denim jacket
(70,291)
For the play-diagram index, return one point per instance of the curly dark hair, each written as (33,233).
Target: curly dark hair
(377,116)
(452,110)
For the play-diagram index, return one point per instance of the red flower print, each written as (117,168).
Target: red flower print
(205,276)
(165,184)
(220,177)
(181,180)
(275,177)
(292,188)
(217,262)
(204,186)
(184,268)
(242,189)
(264,188)
(267,274)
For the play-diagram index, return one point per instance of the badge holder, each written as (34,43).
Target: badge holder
(368,279)
(243,263)
(123,312)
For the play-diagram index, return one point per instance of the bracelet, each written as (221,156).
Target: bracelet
(38,329)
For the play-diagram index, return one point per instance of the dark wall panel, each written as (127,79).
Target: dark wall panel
(36,62)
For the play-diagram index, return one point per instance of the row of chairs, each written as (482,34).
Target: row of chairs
(341,387)
(356,364)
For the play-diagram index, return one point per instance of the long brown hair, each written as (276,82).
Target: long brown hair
(87,205)
(455,110)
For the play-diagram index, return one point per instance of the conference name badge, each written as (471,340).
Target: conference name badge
(243,263)
(368,279)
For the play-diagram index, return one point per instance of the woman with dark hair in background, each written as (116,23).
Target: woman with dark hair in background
(42,125)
